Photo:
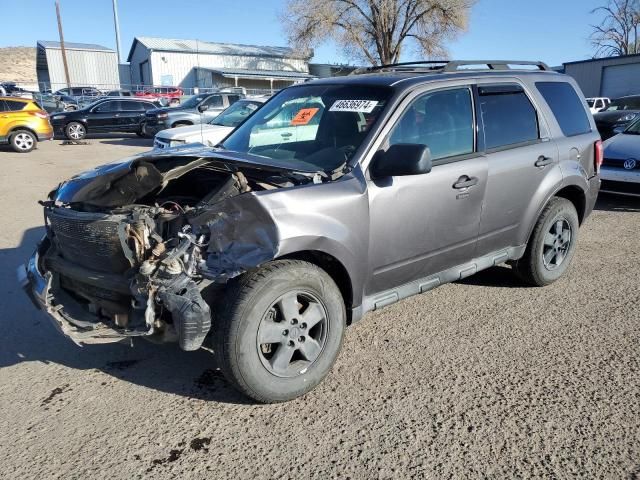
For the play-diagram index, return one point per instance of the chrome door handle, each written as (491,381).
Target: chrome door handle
(543,161)
(465,182)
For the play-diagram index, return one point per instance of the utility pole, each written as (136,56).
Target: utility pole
(64,53)
(117,25)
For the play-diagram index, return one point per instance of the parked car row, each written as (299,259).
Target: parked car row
(210,133)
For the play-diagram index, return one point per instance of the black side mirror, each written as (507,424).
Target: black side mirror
(401,159)
(203,108)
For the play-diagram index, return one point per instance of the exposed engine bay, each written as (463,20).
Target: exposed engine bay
(134,249)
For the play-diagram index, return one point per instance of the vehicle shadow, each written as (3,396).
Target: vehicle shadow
(501,276)
(129,142)
(617,203)
(29,336)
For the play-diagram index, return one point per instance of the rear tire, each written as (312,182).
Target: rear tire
(23,141)
(552,244)
(280,330)
(75,131)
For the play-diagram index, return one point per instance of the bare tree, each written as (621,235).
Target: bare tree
(376,30)
(617,33)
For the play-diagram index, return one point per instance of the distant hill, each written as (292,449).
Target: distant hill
(18,64)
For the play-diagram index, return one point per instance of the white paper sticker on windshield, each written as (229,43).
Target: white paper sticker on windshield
(363,106)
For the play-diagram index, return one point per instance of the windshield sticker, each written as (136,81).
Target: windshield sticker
(362,106)
(304,116)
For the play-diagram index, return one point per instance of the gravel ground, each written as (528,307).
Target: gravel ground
(482,378)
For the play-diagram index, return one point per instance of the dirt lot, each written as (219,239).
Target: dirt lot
(483,378)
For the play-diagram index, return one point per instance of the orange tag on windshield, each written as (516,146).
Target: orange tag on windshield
(304,116)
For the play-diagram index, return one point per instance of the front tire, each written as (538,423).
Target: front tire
(75,131)
(23,141)
(280,330)
(552,244)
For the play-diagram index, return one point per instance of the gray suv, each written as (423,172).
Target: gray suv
(335,198)
(197,109)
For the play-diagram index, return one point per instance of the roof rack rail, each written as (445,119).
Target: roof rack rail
(453,66)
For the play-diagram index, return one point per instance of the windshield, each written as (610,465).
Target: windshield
(321,125)
(633,129)
(624,104)
(192,102)
(236,113)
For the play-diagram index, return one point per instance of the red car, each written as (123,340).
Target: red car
(171,94)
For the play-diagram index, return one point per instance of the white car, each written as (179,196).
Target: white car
(211,133)
(598,103)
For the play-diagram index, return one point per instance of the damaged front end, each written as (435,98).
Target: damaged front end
(140,249)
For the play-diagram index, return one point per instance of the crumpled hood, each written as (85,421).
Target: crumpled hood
(622,147)
(118,184)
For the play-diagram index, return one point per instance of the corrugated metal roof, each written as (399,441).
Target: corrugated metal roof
(604,59)
(200,46)
(74,46)
(246,73)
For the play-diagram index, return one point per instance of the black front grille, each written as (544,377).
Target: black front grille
(88,239)
(617,163)
(621,187)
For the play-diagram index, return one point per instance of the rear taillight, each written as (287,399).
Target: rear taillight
(39,114)
(598,157)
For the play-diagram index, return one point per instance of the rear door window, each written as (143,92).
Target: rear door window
(213,101)
(508,116)
(566,107)
(441,120)
(129,106)
(107,107)
(3,106)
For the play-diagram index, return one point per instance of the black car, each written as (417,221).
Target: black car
(617,116)
(105,115)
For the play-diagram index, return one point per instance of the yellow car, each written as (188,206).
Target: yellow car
(23,123)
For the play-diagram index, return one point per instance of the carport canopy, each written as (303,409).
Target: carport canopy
(286,75)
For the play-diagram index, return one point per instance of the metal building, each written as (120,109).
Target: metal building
(607,77)
(89,65)
(324,70)
(194,63)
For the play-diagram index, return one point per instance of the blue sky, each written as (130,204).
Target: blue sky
(554,31)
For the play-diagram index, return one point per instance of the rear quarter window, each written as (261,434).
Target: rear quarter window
(566,107)
(14,106)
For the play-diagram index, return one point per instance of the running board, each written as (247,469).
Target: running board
(388,297)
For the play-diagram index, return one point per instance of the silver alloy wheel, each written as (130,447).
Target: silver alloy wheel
(556,244)
(76,131)
(292,334)
(23,141)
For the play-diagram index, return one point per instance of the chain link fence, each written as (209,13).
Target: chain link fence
(80,95)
